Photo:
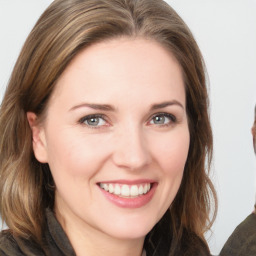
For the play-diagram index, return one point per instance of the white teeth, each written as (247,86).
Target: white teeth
(145,189)
(105,186)
(110,188)
(134,190)
(125,190)
(117,190)
(140,190)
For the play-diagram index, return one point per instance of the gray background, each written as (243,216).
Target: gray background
(226,33)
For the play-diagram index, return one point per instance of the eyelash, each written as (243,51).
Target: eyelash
(85,119)
(171,117)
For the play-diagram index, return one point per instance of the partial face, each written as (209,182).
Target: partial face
(254,131)
(116,137)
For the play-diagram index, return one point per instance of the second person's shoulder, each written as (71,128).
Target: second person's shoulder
(243,240)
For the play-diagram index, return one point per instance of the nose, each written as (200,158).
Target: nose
(131,150)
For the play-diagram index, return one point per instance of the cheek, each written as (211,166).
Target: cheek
(172,151)
(76,154)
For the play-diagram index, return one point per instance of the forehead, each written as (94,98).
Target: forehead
(128,52)
(125,67)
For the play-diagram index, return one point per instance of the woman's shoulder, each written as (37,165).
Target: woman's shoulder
(193,245)
(8,245)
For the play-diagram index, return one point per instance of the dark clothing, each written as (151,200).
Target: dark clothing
(56,243)
(242,241)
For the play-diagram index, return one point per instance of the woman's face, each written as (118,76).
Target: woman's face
(116,137)
(254,135)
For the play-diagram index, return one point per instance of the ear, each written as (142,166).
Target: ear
(38,137)
(254,136)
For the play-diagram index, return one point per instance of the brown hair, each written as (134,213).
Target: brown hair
(66,27)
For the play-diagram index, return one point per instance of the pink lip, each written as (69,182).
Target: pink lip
(135,202)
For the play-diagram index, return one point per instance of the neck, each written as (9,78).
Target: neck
(86,240)
(100,246)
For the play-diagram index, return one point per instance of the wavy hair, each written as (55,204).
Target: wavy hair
(63,30)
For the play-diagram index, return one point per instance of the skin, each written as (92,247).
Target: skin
(254,133)
(127,143)
(254,140)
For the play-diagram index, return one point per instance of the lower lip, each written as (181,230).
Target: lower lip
(130,202)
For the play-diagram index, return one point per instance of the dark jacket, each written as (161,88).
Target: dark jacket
(242,241)
(56,242)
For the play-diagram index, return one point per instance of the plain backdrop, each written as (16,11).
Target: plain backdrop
(226,33)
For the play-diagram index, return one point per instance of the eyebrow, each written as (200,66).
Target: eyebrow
(104,107)
(166,104)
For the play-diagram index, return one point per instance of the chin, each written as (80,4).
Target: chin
(131,230)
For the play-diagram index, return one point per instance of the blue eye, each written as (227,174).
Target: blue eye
(163,119)
(93,121)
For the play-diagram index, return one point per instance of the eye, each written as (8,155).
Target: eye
(162,119)
(93,121)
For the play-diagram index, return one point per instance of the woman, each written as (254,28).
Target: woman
(86,168)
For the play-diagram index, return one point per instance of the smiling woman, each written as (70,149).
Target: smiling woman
(126,160)
(85,167)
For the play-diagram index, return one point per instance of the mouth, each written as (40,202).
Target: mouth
(128,194)
(126,190)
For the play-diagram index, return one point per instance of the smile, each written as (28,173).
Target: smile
(128,194)
(125,190)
